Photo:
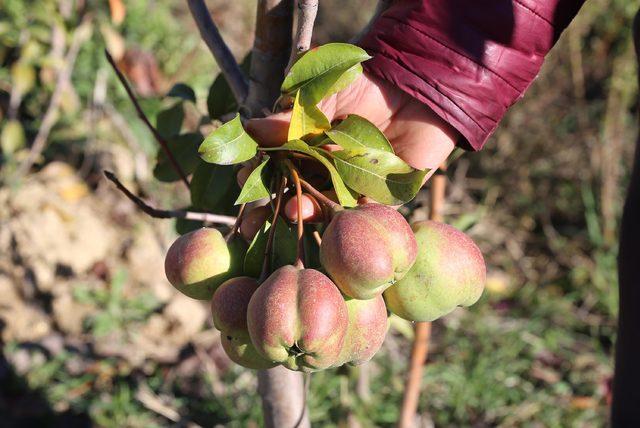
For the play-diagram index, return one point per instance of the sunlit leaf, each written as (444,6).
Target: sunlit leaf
(319,70)
(379,175)
(356,132)
(229,144)
(257,185)
(306,120)
(346,197)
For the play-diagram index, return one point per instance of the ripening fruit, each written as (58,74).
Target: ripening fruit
(367,249)
(449,272)
(298,318)
(366,331)
(199,261)
(229,309)
(311,210)
(253,220)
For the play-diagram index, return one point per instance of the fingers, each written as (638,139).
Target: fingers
(270,131)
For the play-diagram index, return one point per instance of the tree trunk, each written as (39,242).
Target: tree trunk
(282,391)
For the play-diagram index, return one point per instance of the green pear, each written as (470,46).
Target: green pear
(199,261)
(449,272)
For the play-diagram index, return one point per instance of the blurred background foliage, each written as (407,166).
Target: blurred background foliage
(92,333)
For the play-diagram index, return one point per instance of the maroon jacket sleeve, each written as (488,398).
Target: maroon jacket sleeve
(469,60)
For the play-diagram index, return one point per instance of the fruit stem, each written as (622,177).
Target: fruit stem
(296,181)
(267,251)
(236,226)
(333,206)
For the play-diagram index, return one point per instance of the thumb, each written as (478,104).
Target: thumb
(270,131)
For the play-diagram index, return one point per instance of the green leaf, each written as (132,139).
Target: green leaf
(256,186)
(228,145)
(283,249)
(306,120)
(380,175)
(318,72)
(345,196)
(220,100)
(313,94)
(169,121)
(182,91)
(356,132)
(214,188)
(184,149)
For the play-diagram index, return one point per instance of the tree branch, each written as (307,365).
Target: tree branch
(270,53)
(223,56)
(158,213)
(80,35)
(307,11)
(145,119)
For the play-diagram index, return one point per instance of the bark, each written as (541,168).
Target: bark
(282,391)
(227,63)
(270,54)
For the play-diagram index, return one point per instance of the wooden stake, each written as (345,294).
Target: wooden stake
(420,349)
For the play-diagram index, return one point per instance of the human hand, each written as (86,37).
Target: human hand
(418,135)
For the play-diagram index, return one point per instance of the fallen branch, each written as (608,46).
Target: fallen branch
(80,35)
(223,56)
(158,213)
(145,120)
(307,11)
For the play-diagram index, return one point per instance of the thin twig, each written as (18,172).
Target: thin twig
(145,120)
(223,56)
(319,196)
(296,181)
(80,35)
(420,348)
(272,231)
(158,213)
(307,11)
(236,226)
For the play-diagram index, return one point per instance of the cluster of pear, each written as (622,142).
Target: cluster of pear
(372,262)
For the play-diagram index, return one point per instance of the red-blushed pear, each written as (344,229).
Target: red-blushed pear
(199,261)
(367,249)
(367,329)
(229,309)
(298,318)
(449,272)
